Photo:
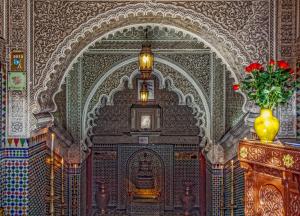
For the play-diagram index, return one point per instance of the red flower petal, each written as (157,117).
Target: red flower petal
(257,66)
(283,64)
(248,69)
(236,87)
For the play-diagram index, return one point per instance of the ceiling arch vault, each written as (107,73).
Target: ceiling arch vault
(175,18)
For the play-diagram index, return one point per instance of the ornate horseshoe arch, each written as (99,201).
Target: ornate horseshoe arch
(180,19)
(201,114)
(162,80)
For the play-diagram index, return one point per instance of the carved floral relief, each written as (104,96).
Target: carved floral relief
(62,13)
(271,201)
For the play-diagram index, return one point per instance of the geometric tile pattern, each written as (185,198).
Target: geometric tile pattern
(218,189)
(238,186)
(2,114)
(186,170)
(2,134)
(83,188)
(15,190)
(208,188)
(15,153)
(74,190)
(38,179)
(2,104)
(24,180)
(1,179)
(17,142)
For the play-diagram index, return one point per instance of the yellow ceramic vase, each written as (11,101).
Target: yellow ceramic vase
(266,126)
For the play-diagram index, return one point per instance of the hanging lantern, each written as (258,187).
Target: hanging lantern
(144,93)
(146,60)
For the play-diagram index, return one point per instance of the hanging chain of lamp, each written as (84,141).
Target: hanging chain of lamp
(146,61)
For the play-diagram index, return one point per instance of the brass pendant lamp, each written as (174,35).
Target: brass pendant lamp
(146,62)
(146,59)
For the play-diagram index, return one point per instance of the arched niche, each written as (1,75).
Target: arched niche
(111,115)
(190,94)
(183,76)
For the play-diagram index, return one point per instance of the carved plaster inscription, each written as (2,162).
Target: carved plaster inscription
(16,114)
(17,103)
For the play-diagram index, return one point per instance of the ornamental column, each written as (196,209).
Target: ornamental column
(16,26)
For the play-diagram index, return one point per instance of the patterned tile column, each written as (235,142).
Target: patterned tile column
(15,181)
(74,190)
(14,152)
(18,26)
(216,187)
(2,107)
(3,92)
(238,188)
(214,197)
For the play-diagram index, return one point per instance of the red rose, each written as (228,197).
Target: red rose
(236,87)
(248,69)
(271,62)
(253,66)
(257,66)
(291,71)
(283,64)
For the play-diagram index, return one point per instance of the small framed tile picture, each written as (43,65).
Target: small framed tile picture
(17,61)
(16,81)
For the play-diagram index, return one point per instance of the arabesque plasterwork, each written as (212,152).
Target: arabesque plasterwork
(183,61)
(211,33)
(236,37)
(115,82)
(2,15)
(17,39)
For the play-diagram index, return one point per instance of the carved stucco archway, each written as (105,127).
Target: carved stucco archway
(232,53)
(202,114)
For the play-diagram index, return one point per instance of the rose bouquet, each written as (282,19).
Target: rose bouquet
(270,86)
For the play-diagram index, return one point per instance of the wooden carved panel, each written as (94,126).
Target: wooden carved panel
(272,178)
(277,156)
(271,201)
(294,204)
(268,171)
(249,196)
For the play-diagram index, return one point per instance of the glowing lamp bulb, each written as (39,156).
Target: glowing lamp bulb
(144,93)
(146,60)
